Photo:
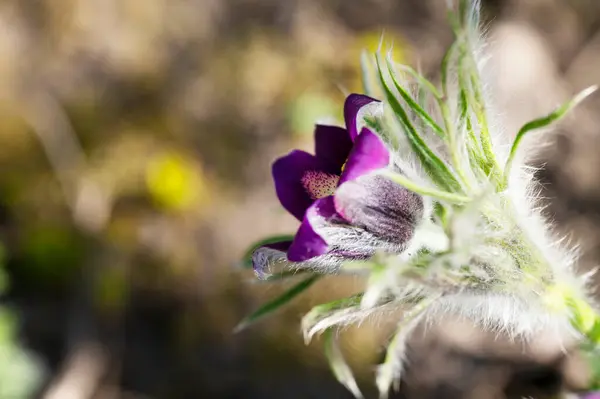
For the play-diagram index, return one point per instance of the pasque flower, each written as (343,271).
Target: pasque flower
(344,209)
(445,200)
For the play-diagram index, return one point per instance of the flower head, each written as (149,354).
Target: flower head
(346,211)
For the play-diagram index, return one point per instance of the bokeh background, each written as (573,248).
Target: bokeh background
(135,146)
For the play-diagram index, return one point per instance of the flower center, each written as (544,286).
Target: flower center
(319,184)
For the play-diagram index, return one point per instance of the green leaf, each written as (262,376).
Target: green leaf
(591,354)
(276,303)
(338,364)
(413,104)
(477,100)
(325,310)
(594,333)
(424,191)
(374,123)
(477,158)
(246,262)
(377,286)
(445,66)
(545,121)
(436,168)
(462,25)
(389,370)
(473,146)
(365,68)
(421,80)
(470,83)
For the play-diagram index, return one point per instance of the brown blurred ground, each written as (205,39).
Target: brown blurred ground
(136,139)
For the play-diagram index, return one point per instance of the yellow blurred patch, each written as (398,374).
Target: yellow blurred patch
(176,183)
(311,108)
(370,42)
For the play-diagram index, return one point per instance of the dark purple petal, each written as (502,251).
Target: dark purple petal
(353,104)
(368,154)
(308,243)
(279,246)
(288,174)
(332,145)
(379,206)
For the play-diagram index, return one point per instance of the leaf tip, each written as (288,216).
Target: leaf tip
(242,325)
(586,93)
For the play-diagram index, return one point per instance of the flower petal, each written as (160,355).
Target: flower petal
(282,246)
(288,173)
(308,243)
(352,106)
(332,145)
(380,206)
(368,154)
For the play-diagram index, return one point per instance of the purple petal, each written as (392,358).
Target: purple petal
(369,154)
(591,395)
(353,104)
(279,246)
(380,207)
(288,174)
(332,145)
(308,243)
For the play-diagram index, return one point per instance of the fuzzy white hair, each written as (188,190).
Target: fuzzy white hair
(494,259)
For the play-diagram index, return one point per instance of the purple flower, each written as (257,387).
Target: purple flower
(591,395)
(345,210)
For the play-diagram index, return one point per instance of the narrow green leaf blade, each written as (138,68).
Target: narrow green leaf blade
(413,104)
(338,364)
(545,121)
(423,82)
(424,191)
(436,168)
(322,311)
(365,68)
(389,370)
(446,61)
(276,303)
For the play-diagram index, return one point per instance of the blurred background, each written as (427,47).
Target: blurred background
(135,147)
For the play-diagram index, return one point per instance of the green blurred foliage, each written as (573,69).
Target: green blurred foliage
(20,373)
(51,255)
